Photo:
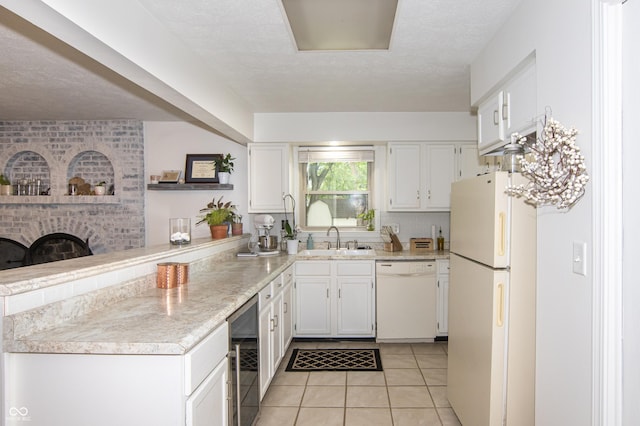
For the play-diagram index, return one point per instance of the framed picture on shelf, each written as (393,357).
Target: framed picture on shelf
(170,176)
(202,168)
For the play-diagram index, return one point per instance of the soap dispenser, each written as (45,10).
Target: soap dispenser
(310,242)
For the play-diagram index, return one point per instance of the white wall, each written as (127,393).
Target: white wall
(560,33)
(166,146)
(364,126)
(631,206)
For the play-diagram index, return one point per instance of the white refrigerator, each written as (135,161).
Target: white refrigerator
(492,293)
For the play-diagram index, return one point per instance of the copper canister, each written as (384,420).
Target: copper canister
(183,273)
(167,275)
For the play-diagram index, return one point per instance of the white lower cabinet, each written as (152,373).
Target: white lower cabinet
(274,326)
(106,390)
(312,306)
(287,313)
(208,404)
(334,298)
(442,306)
(355,316)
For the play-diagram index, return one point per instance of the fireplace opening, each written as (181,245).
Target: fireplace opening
(57,246)
(12,254)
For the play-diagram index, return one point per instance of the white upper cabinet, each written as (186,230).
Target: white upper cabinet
(510,109)
(404,176)
(421,173)
(471,164)
(268,177)
(440,167)
(491,123)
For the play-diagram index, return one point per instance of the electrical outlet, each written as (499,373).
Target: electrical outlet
(395,227)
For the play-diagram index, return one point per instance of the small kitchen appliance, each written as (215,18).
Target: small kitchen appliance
(262,243)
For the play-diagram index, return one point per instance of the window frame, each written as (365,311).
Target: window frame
(375,174)
(303,194)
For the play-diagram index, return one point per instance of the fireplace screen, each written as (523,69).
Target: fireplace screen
(12,254)
(58,246)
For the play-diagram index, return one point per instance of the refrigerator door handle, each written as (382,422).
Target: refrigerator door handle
(500,314)
(502,223)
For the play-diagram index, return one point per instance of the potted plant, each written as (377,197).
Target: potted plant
(290,233)
(5,186)
(236,223)
(218,216)
(225,165)
(369,217)
(100,188)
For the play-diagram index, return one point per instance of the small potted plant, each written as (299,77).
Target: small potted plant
(100,188)
(218,216)
(5,186)
(290,234)
(236,223)
(369,217)
(225,165)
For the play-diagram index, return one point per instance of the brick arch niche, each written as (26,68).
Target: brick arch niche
(28,166)
(94,167)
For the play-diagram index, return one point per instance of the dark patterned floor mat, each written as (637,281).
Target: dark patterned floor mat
(335,360)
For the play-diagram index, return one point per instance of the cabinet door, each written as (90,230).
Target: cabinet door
(490,123)
(313,313)
(440,168)
(404,177)
(266,325)
(442,307)
(208,404)
(268,177)
(355,306)
(276,334)
(287,317)
(470,164)
(520,102)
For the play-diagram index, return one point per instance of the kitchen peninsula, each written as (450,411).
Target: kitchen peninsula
(114,337)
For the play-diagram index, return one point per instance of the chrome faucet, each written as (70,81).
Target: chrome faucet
(338,234)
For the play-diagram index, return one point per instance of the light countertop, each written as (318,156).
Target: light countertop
(162,322)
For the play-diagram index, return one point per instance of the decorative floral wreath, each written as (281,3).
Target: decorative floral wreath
(557,173)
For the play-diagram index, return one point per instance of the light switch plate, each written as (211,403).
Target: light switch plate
(579,258)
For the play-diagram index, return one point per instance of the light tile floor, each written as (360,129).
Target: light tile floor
(411,391)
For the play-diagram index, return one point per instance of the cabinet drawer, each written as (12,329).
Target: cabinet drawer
(442,266)
(313,268)
(278,285)
(265,296)
(287,277)
(201,360)
(354,268)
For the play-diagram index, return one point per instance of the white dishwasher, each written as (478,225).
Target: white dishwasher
(406,301)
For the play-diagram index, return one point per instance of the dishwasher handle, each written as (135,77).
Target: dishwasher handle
(417,274)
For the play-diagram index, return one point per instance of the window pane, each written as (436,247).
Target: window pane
(337,176)
(335,193)
(335,209)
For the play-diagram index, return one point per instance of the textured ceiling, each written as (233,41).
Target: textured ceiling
(248,46)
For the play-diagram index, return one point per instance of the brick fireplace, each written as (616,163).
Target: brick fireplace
(55,151)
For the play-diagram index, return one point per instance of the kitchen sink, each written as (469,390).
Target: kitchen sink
(336,252)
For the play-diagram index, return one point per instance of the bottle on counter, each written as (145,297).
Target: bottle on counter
(440,240)
(310,242)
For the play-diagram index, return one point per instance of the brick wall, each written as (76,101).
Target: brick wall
(54,152)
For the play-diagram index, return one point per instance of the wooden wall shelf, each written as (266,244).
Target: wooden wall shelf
(188,186)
